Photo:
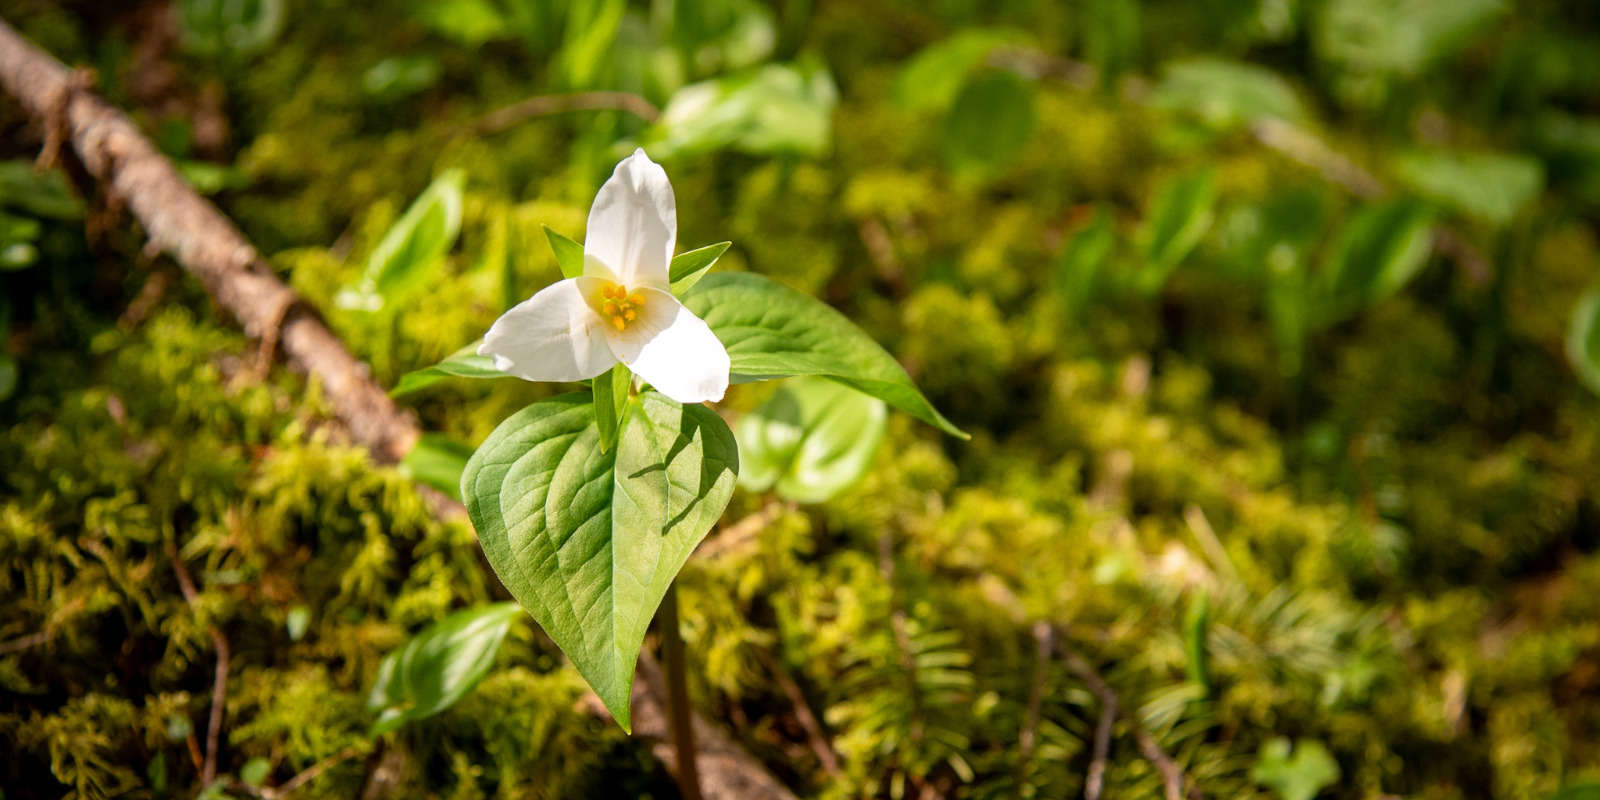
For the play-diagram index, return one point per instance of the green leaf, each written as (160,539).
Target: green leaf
(463,363)
(611,403)
(437,460)
(469,23)
(1399,36)
(1196,626)
(240,28)
(587,541)
(46,194)
(1491,187)
(439,666)
(931,80)
(1226,94)
(1082,261)
(1378,251)
(591,28)
(416,243)
(1302,777)
(813,439)
(990,121)
(8,376)
(773,331)
(688,268)
(780,108)
(1176,222)
(1583,339)
(569,254)
(255,771)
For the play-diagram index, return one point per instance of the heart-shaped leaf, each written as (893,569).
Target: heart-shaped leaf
(463,363)
(589,541)
(813,439)
(439,666)
(773,331)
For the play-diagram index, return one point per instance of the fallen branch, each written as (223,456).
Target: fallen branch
(802,712)
(219,684)
(185,226)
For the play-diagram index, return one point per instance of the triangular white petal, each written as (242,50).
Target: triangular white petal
(633,224)
(673,350)
(552,336)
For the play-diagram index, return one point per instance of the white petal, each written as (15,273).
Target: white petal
(552,336)
(673,350)
(633,224)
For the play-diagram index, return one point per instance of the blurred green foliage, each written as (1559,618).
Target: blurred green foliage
(1282,304)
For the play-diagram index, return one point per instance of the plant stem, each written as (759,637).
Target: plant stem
(681,729)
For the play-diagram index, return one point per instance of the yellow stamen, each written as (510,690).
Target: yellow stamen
(619,323)
(637,299)
(611,308)
(629,315)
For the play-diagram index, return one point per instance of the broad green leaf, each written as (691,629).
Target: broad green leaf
(1378,251)
(1176,222)
(469,23)
(1226,94)
(774,331)
(588,541)
(240,28)
(1583,339)
(780,108)
(46,194)
(1492,187)
(412,247)
(688,268)
(1302,777)
(931,80)
(1083,260)
(990,122)
(611,403)
(463,363)
(437,460)
(439,666)
(1399,36)
(813,439)
(569,254)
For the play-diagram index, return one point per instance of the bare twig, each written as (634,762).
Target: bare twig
(219,685)
(1044,637)
(208,246)
(25,642)
(735,536)
(1300,146)
(1096,778)
(802,712)
(1171,774)
(310,773)
(544,105)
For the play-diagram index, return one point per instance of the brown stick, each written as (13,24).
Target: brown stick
(206,244)
(1171,774)
(1044,636)
(802,712)
(1093,783)
(219,684)
(25,642)
(310,773)
(544,105)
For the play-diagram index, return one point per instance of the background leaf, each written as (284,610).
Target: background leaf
(437,460)
(1083,260)
(1177,221)
(1492,187)
(439,666)
(811,440)
(990,122)
(773,331)
(1378,251)
(410,249)
(1226,94)
(1583,339)
(589,541)
(779,108)
(463,363)
(931,80)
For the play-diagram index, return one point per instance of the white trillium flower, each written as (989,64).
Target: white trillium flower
(621,308)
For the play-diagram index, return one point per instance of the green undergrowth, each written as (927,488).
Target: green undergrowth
(1394,543)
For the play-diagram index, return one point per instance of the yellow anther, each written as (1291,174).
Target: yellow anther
(637,299)
(619,323)
(629,315)
(611,308)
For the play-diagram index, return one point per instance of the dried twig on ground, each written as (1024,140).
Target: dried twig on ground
(544,105)
(219,685)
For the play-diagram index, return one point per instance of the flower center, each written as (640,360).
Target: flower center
(620,307)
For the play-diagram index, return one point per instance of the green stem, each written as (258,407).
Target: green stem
(682,730)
